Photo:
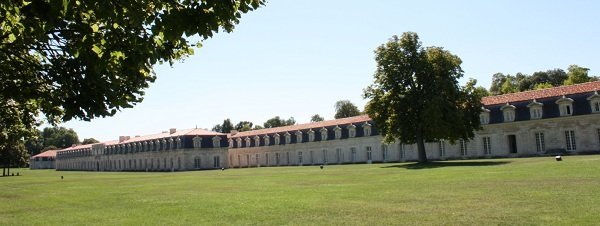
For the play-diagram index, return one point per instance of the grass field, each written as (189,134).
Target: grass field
(522,191)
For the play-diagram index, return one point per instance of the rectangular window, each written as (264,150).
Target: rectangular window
(570,140)
(216,162)
(384,152)
(353,151)
(257,156)
(287,157)
(540,145)
(487,147)
(312,157)
(597,106)
(324,156)
(598,132)
(369,154)
(277,158)
(197,163)
(267,159)
(299,158)
(338,154)
(401,151)
(442,148)
(463,147)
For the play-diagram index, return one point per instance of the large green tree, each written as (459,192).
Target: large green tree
(576,75)
(87,59)
(345,109)
(416,96)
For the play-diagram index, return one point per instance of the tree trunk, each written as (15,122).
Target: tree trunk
(421,146)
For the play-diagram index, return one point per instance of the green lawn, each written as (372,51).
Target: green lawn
(476,192)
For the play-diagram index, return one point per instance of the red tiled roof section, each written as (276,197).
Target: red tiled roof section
(542,93)
(49,153)
(314,125)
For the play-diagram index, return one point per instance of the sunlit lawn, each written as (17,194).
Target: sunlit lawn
(475,192)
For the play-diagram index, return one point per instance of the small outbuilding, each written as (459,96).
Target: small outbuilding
(44,160)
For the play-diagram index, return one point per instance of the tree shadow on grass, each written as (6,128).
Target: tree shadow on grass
(431,165)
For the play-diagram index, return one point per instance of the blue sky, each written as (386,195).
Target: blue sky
(297,58)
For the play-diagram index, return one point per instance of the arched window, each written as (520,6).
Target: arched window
(171,143)
(484,116)
(594,102)
(366,129)
(256,141)
(178,142)
(163,145)
(338,132)
(535,109)
(323,134)
(267,140)
(247,142)
(197,142)
(276,138)
(351,130)
(145,146)
(288,138)
(311,135)
(216,142)
(298,136)
(239,142)
(508,111)
(565,106)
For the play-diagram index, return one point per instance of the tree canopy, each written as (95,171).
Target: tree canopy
(81,60)
(316,118)
(416,96)
(345,109)
(89,141)
(506,83)
(278,122)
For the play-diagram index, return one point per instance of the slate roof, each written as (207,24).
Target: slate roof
(542,93)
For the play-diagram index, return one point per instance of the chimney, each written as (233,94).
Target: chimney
(233,132)
(123,138)
(172,130)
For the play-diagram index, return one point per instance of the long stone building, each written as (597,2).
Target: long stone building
(556,120)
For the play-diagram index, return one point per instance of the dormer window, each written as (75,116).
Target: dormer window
(247,141)
(508,111)
(298,136)
(311,135)
(267,140)
(323,134)
(484,116)
(367,129)
(239,142)
(216,142)
(164,144)
(197,142)
(594,102)
(171,143)
(288,138)
(351,130)
(276,138)
(338,132)
(535,109)
(256,141)
(230,141)
(565,106)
